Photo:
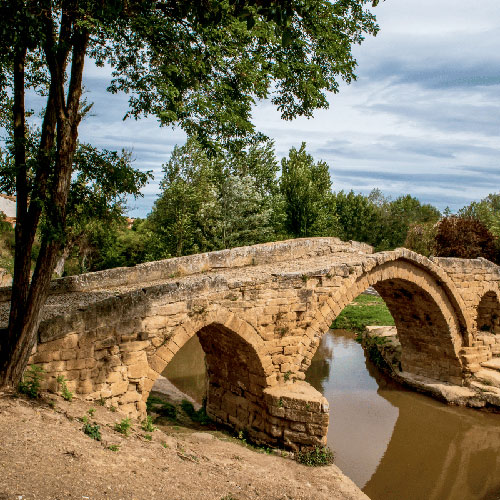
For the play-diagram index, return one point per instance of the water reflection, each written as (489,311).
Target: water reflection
(398,444)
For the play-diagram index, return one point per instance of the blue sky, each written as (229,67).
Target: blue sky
(422,118)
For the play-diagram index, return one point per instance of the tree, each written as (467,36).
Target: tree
(466,238)
(357,216)
(214,202)
(421,237)
(198,64)
(396,217)
(487,211)
(307,197)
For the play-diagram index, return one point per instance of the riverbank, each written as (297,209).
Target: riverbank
(46,456)
(482,389)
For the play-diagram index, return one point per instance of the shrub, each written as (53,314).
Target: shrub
(30,384)
(65,392)
(123,427)
(316,457)
(147,424)
(464,237)
(92,431)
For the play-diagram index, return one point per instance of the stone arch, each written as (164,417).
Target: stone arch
(488,313)
(238,367)
(428,312)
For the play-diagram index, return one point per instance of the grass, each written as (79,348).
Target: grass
(363,311)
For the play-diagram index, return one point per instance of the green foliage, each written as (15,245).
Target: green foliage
(465,238)
(91,412)
(200,416)
(31,382)
(147,424)
(421,238)
(487,211)
(114,447)
(123,427)
(307,198)
(148,437)
(66,393)
(92,431)
(213,202)
(315,458)
(357,217)
(365,310)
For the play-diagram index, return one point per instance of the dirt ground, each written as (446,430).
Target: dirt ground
(44,455)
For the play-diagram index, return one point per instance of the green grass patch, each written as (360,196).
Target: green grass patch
(364,310)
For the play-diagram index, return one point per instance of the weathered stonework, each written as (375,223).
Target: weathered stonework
(259,313)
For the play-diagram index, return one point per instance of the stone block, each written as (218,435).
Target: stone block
(138,370)
(138,345)
(119,388)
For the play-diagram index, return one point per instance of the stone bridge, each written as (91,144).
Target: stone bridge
(260,313)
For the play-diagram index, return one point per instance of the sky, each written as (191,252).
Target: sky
(423,117)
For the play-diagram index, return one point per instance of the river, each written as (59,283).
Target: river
(395,444)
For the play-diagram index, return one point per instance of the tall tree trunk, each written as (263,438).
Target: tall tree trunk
(28,298)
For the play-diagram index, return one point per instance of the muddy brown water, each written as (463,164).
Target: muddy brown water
(395,444)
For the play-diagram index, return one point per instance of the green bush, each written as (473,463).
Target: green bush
(92,431)
(65,392)
(31,382)
(123,427)
(147,424)
(316,457)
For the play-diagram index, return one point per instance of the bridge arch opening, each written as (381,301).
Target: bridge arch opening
(426,313)
(234,377)
(425,334)
(488,314)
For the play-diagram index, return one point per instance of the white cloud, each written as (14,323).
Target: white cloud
(423,117)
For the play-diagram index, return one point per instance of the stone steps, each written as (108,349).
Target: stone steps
(488,377)
(493,364)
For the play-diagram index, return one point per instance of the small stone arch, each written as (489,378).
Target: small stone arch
(238,367)
(488,313)
(427,310)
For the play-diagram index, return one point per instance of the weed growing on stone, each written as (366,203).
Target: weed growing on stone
(91,411)
(114,447)
(31,382)
(112,408)
(316,457)
(148,437)
(147,424)
(123,427)
(93,431)
(65,392)
(286,376)
(101,401)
